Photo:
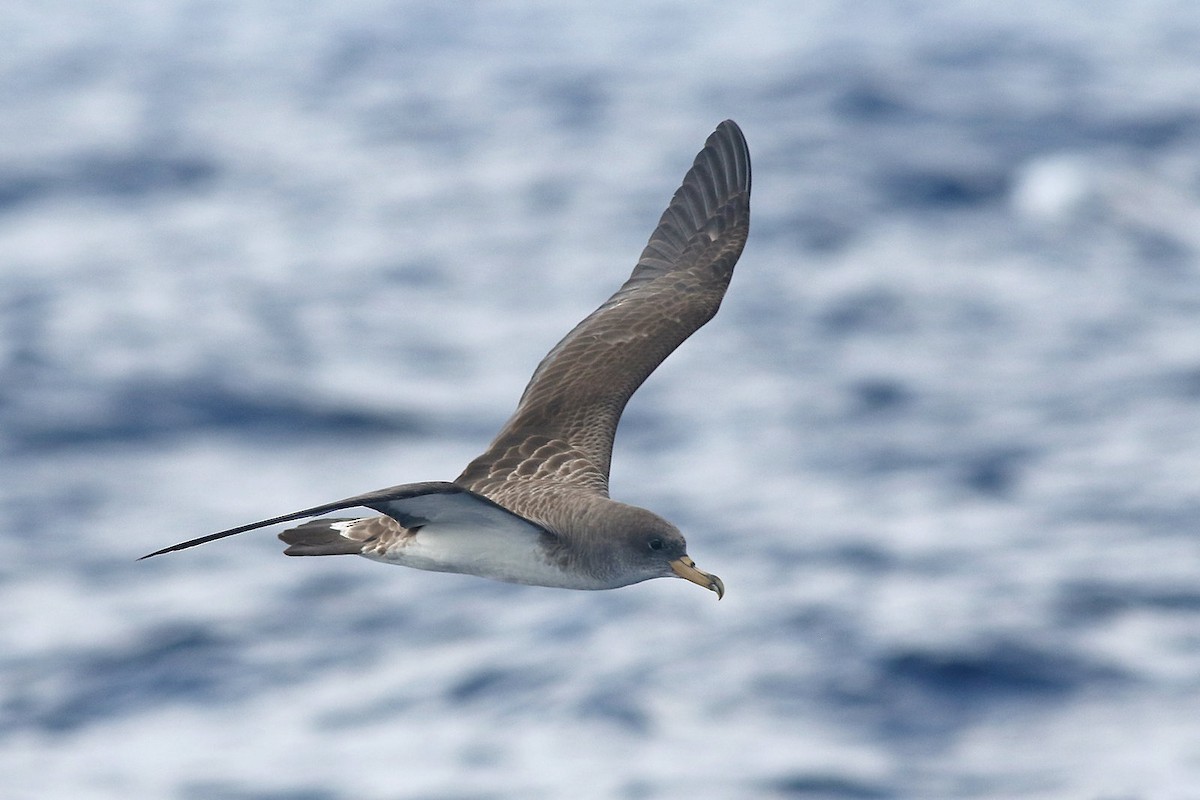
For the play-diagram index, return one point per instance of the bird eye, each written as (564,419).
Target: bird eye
(655,544)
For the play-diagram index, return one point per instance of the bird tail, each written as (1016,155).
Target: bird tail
(321,537)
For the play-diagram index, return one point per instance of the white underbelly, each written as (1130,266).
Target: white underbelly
(514,556)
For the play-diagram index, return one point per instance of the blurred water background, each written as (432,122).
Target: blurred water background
(942,441)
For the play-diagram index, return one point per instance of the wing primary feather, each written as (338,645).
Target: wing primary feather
(368,500)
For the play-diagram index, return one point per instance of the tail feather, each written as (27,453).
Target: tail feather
(320,537)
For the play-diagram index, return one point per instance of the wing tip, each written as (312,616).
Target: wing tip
(716,186)
(728,143)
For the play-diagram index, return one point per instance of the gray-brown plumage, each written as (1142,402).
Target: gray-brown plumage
(534,507)
(564,425)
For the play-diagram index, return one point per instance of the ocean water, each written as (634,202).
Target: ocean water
(942,443)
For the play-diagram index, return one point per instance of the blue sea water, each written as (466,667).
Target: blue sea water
(942,443)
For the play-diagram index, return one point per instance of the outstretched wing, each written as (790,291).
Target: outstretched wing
(413,505)
(564,426)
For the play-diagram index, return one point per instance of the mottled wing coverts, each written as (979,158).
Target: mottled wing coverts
(562,431)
